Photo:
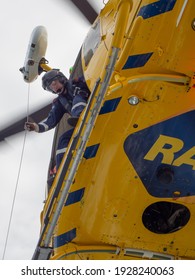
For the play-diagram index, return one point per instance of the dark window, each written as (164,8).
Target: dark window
(91,42)
(165,217)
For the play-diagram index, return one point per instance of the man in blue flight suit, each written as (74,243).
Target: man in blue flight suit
(72,99)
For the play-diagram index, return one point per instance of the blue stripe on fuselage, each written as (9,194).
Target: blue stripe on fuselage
(64,238)
(156,8)
(75,196)
(110,106)
(90,151)
(138,60)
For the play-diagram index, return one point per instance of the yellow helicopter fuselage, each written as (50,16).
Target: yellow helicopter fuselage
(133,194)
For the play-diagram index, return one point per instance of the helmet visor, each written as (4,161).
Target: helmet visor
(49,78)
(48,84)
(56,86)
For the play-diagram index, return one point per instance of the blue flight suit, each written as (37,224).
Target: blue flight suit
(73,102)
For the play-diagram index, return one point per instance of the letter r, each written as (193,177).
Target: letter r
(167,152)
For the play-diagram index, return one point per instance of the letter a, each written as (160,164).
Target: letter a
(186,158)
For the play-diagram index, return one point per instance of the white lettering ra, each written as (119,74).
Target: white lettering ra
(167,146)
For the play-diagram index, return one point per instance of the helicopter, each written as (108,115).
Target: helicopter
(124,189)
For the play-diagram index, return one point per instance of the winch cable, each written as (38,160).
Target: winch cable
(17,179)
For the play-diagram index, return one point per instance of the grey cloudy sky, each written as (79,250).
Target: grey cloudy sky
(66,32)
